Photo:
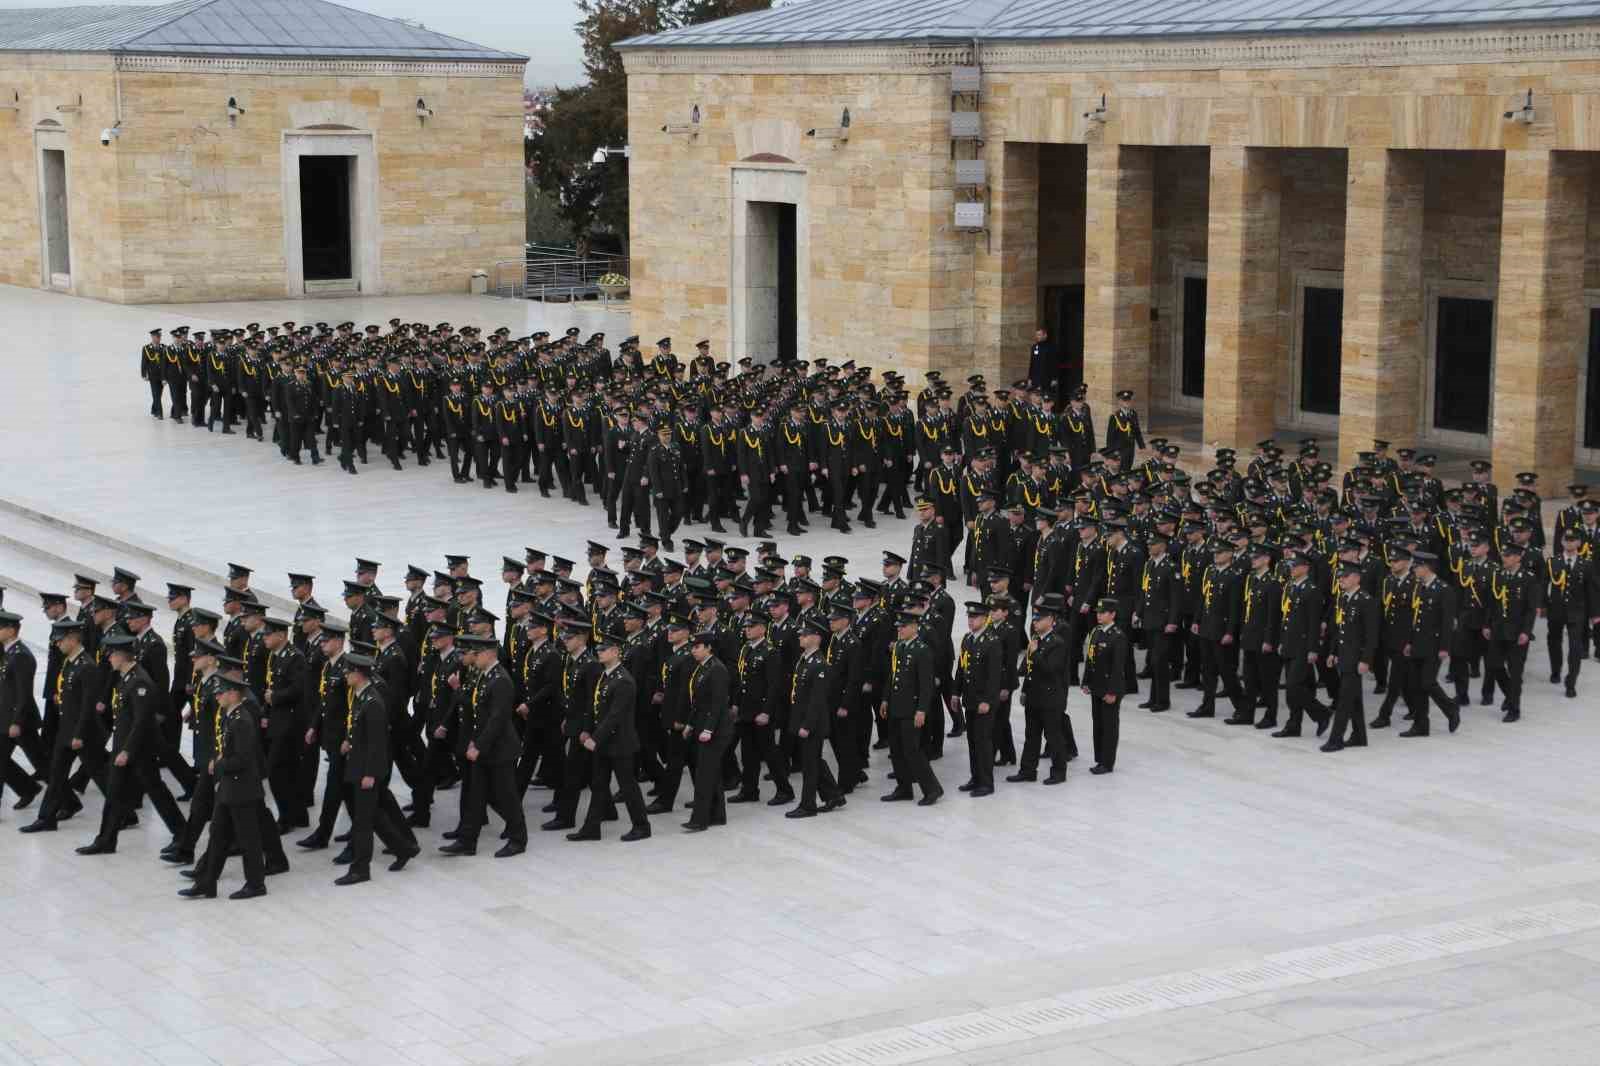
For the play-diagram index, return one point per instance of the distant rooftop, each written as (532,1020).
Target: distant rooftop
(267,28)
(880,21)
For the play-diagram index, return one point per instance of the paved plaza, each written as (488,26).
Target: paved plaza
(1223,898)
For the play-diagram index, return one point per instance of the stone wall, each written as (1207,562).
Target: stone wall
(187,206)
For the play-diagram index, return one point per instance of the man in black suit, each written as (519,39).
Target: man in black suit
(236,768)
(366,776)
(19,710)
(1160,605)
(1105,682)
(491,751)
(614,742)
(1044,695)
(811,719)
(709,731)
(909,692)
(1572,606)
(1352,643)
(1299,641)
(977,691)
(1432,611)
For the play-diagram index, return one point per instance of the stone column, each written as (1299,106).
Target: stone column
(1539,318)
(1382,349)
(1119,214)
(1242,356)
(1007,274)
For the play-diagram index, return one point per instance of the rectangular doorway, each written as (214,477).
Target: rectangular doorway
(326,221)
(771,282)
(57,232)
(1463,365)
(1063,317)
(1321,334)
(1192,344)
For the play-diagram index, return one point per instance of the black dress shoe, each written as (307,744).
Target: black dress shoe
(782,799)
(967,787)
(419,820)
(1323,723)
(96,848)
(38,826)
(1145,706)
(345,857)
(1332,745)
(1412,732)
(180,858)
(248,892)
(694,827)
(1022,776)
(833,804)
(342,838)
(555,824)
(352,877)
(1235,719)
(930,799)
(188,875)
(1380,722)
(1267,723)
(510,848)
(459,848)
(658,807)
(401,860)
(899,795)
(1512,715)
(1098,769)
(1572,694)
(1200,712)
(744,797)
(1287,732)
(550,808)
(198,892)
(1453,718)
(1555,679)
(955,731)
(638,832)
(584,834)
(981,790)
(801,812)
(1056,777)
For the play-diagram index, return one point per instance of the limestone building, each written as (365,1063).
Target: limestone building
(1360,214)
(230,149)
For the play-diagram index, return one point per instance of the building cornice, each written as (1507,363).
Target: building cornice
(1499,44)
(367,68)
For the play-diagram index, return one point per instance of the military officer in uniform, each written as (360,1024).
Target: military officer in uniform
(1352,643)
(977,692)
(909,692)
(614,743)
(236,768)
(1105,681)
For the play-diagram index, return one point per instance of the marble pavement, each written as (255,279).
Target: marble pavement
(1223,898)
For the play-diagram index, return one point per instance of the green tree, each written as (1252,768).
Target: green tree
(593,198)
(546,223)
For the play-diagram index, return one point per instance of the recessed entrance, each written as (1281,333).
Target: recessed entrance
(326,222)
(1063,317)
(1591,393)
(770,326)
(1321,334)
(1192,358)
(1463,365)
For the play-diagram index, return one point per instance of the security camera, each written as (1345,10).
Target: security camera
(109,134)
(234,110)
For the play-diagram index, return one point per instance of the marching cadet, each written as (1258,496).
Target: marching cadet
(977,686)
(710,730)
(1394,633)
(152,369)
(613,741)
(1301,612)
(236,769)
(1044,695)
(19,710)
(907,704)
(135,699)
(1572,606)
(485,433)
(757,695)
(203,712)
(302,417)
(1122,430)
(1472,573)
(579,674)
(489,743)
(373,808)
(1105,682)
(811,720)
(456,422)
(1260,633)
(1160,606)
(1352,643)
(328,727)
(1512,607)
(1432,633)
(78,736)
(1217,627)
(668,483)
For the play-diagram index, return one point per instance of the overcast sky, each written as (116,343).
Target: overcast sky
(539,29)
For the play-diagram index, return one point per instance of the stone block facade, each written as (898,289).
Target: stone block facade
(186,205)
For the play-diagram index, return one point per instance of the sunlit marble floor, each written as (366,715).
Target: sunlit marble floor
(1223,897)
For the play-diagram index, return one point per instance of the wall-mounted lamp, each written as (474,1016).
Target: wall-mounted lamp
(13,104)
(424,112)
(841,132)
(72,107)
(602,155)
(234,111)
(1100,113)
(1523,114)
(692,127)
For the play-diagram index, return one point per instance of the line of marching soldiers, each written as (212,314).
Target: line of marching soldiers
(1269,583)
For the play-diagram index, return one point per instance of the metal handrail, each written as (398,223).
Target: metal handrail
(554,277)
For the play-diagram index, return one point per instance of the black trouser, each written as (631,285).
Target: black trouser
(758,504)
(283,774)
(1465,650)
(909,760)
(197,403)
(794,497)
(374,810)
(620,767)
(577,773)
(710,804)
(1261,670)
(214,409)
(846,744)
(180,406)
(867,488)
(1107,718)
(895,489)
(980,747)
(254,413)
(1158,643)
(18,780)
(933,725)
(233,826)
(58,794)
(487,452)
(303,434)
(1214,666)
(1398,685)
(494,783)
(202,807)
(1300,693)
(1423,676)
(123,787)
(1052,727)
(511,460)
(155,395)
(669,512)
(1576,633)
(675,753)
(1506,659)
(1349,711)
(332,796)
(814,774)
(1005,741)
(461,454)
(419,438)
(758,747)
(633,505)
